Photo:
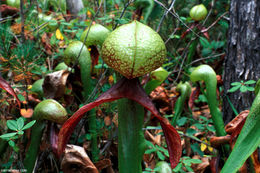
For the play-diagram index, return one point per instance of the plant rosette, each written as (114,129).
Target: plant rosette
(198,12)
(134,50)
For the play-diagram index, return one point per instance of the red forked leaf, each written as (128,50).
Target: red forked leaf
(4,85)
(131,89)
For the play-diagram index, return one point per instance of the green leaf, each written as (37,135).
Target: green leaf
(191,131)
(224,24)
(217,44)
(189,168)
(88,136)
(183,18)
(174,36)
(196,148)
(199,126)
(250,88)
(8,136)
(11,124)
(160,155)
(233,89)
(53,23)
(53,39)
(211,128)
(69,31)
(21,97)
(250,82)
(204,42)
(156,169)
(247,141)
(243,88)
(178,167)
(20,132)
(187,162)
(195,161)
(28,125)
(20,123)
(121,21)
(182,121)
(203,118)
(163,150)
(149,144)
(236,83)
(11,143)
(149,151)
(148,169)
(206,52)
(66,23)
(203,98)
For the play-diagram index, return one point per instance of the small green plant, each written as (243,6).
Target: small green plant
(242,86)
(17,126)
(210,47)
(185,164)
(159,150)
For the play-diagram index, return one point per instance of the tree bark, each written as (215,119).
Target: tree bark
(74,6)
(242,61)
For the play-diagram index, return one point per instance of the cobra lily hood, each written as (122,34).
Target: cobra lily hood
(133,50)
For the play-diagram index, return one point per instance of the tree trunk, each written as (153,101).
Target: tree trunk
(74,7)
(243,53)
